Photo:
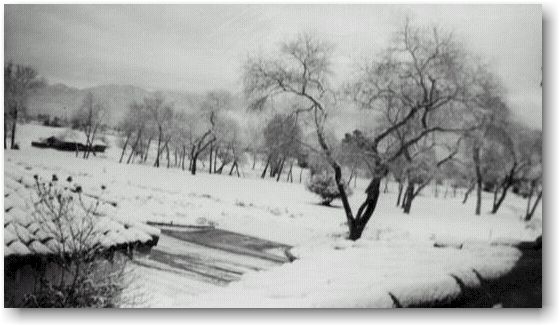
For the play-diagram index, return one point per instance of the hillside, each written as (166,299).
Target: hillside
(62,100)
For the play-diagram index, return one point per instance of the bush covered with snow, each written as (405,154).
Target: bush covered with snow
(324,185)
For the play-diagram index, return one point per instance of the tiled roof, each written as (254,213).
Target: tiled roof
(25,235)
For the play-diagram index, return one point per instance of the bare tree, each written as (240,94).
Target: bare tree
(421,75)
(90,118)
(214,104)
(282,142)
(162,117)
(131,128)
(200,137)
(19,82)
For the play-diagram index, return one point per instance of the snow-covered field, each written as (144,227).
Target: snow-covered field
(396,253)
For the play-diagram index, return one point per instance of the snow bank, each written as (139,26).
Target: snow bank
(379,274)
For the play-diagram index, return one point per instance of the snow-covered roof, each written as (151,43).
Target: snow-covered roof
(75,136)
(25,235)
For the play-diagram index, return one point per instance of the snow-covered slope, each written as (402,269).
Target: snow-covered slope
(396,250)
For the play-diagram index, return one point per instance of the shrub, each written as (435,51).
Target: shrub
(85,277)
(324,185)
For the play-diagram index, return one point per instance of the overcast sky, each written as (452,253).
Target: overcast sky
(201,47)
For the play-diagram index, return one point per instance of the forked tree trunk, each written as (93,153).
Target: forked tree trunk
(505,188)
(532,212)
(290,176)
(357,224)
(237,170)
(531,208)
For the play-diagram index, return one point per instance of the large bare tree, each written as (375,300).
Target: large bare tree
(424,74)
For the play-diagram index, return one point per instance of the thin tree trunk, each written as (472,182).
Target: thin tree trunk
(404,198)
(254,159)
(529,216)
(216,157)
(5,130)
(476,159)
(468,192)
(409,197)
(148,148)
(505,188)
(210,159)
(300,174)
(124,147)
(193,164)
(280,169)
(401,186)
(290,176)
(386,189)
(14,126)
(135,146)
(156,163)
(265,167)
(167,154)
(237,169)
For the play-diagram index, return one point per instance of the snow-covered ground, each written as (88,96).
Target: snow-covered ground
(396,252)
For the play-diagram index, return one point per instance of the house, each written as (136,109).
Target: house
(30,249)
(69,140)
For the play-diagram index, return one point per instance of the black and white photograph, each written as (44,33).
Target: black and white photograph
(273,156)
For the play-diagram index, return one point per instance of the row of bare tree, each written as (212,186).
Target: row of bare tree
(207,134)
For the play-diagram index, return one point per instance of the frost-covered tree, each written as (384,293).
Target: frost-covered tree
(19,82)
(423,74)
(282,142)
(90,119)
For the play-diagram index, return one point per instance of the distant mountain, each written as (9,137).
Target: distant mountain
(62,100)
